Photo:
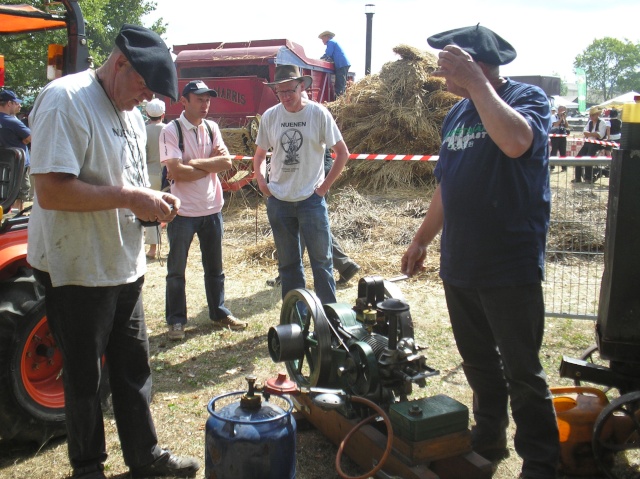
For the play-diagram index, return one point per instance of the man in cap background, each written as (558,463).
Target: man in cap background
(155,111)
(194,153)
(86,246)
(334,53)
(492,204)
(559,125)
(299,130)
(15,134)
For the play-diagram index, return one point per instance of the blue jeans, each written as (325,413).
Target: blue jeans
(499,333)
(310,217)
(87,324)
(180,233)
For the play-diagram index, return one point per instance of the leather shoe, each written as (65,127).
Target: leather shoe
(493,450)
(348,273)
(274,282)
(492,453)
(93,471)
(169,465)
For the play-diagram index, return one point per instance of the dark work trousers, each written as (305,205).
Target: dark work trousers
(341,261)
(87,324)
(559,145)
(341,79)
(588,149)
(499,333)
(559,148)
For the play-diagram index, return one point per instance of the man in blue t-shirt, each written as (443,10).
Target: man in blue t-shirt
(15,134)
(492,204)
(334,53)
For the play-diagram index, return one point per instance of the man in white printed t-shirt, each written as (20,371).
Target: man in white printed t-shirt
(299,130)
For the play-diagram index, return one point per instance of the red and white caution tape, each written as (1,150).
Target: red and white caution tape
(601,142)
(431,157)
(557,135)
(373,157)
(395,157)
(580,158)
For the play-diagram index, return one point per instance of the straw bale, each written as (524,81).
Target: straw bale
(398,111)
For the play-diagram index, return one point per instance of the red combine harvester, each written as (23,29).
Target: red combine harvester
(238,72)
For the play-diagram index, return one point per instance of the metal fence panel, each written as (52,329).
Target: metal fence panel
(575,244)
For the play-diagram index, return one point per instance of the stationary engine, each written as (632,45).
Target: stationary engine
(367,350)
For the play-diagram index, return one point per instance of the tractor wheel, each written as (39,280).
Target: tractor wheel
(31,392)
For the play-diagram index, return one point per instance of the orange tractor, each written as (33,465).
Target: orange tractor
(31,394)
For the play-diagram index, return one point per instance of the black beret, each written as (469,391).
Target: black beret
(150,57)
(481,43)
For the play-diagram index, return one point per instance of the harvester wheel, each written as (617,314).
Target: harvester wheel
(31,391)
(253,126)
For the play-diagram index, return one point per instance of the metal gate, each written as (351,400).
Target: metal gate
(575,244)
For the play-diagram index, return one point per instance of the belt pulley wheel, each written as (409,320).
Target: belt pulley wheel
(302,307)
(362,369)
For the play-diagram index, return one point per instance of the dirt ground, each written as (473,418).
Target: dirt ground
(375,230)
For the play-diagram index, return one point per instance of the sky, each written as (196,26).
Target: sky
(547,34)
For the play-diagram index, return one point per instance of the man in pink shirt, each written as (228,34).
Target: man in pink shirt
(194,153)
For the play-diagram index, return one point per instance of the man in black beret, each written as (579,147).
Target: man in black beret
(492,204)
(86,246)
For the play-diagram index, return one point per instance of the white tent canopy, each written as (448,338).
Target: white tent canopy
(557,101)
(620,100)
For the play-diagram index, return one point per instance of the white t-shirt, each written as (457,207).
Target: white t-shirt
(599,126)
(298,141)
(201,197)
(76,130)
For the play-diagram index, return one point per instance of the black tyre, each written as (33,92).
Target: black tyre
(31,391)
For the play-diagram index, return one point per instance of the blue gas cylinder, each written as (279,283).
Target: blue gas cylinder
(250,439)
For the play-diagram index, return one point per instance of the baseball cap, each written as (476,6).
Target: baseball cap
(155,108)
(198,87)
(481,43)
(9,95)
(150,58)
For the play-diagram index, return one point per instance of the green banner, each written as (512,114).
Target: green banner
(581,82)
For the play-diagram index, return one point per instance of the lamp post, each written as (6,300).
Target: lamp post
(369,10)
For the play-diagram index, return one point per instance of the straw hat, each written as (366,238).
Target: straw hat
(286,73)
(327,33)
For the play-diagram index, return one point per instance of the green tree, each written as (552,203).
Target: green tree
(26,54)
(630,83)
(609,64)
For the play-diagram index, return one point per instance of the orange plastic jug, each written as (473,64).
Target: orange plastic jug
(577,409)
